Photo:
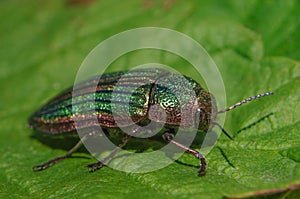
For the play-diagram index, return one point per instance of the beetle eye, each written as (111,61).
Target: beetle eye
(198,117)
(200,111)
(200,114)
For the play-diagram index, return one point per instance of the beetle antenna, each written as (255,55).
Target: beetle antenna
(245,101)
(223,130)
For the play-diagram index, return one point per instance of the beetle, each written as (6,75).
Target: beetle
(94,97)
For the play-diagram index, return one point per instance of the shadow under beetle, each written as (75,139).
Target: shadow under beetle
(57,116)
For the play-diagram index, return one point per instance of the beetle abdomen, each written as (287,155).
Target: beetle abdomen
(94,98)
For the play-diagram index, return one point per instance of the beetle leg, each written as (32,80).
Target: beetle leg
(60,158)
(98,165)
(169,138)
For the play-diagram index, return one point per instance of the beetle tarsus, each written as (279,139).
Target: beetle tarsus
(169,138)
(95,166)
(49,163)
(60,158)
(202,169)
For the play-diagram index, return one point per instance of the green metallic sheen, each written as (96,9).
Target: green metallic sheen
(96,96)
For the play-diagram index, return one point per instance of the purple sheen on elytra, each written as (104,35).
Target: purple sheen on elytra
(58,115)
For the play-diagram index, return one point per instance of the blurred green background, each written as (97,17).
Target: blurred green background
(255,44)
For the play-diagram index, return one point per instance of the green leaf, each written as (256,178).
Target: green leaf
(254,46)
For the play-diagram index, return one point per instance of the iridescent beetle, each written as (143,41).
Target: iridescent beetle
(57,116)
